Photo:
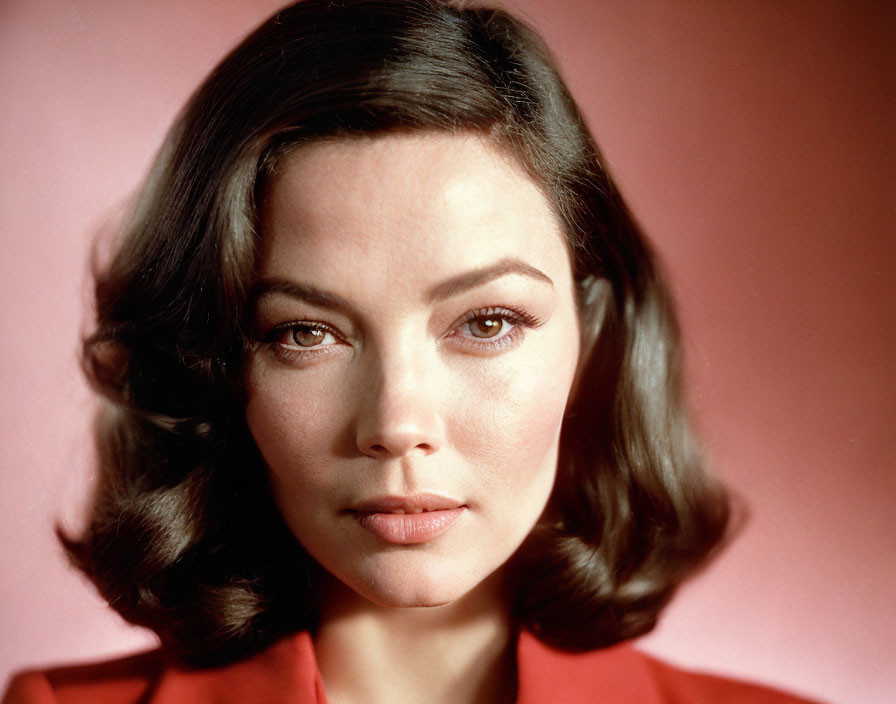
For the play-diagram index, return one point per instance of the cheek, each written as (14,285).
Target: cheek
(295,425)
(511,421)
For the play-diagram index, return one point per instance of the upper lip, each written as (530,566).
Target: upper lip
(406,504)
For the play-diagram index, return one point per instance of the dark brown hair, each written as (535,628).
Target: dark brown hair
(184,537)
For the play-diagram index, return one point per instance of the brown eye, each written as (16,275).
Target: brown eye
(486,327)
(308,337)
(491,329)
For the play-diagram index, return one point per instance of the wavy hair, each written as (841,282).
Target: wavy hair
(183,536)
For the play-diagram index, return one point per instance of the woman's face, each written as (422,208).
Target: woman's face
(418,338)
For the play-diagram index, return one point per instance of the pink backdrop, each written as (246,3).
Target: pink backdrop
(755,143)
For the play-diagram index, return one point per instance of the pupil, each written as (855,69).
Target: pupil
(486,327)
(307,337)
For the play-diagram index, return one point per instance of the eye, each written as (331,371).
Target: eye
(488,327)
(302,341)
(305,335)
(492,328)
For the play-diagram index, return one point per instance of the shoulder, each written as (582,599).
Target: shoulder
(621,674)
(679,685)
(285,672)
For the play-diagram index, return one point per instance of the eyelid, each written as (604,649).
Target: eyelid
(277,330)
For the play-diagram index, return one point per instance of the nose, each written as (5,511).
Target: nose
(399,412)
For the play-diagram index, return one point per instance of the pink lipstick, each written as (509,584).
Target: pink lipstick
(408,520)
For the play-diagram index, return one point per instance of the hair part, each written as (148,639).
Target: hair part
(184,537)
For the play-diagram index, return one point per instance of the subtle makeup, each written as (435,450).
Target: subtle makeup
(416,340)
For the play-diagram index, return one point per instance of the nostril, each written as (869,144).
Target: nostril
(380,450)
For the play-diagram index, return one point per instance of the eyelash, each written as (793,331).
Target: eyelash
(518,319)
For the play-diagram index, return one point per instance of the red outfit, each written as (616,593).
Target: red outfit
(287,673)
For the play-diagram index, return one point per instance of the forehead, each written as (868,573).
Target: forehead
(405,200)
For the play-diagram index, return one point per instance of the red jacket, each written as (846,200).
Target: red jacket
(287,673)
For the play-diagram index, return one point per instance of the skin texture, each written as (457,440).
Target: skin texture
(388,387)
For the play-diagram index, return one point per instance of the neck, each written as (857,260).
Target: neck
(463,652)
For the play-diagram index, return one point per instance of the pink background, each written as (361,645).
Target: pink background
(754,141)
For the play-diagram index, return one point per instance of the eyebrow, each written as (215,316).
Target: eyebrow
(302,292)
(471,279)
(447,289)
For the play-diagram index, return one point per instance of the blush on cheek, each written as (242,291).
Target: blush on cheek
(513,435)
(538,429)
(538,393)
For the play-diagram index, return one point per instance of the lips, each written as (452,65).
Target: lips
(408,520)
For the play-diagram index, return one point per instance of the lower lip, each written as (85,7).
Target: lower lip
(409,528)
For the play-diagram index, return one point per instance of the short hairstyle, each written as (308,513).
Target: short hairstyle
(184,536)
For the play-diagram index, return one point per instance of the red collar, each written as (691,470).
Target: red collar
(617,675)
(287,672)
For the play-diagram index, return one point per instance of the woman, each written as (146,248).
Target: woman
(393,387)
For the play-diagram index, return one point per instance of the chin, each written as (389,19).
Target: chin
(414,601)
(410,593)
(414,587)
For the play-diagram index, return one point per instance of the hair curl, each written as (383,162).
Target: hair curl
(184,537)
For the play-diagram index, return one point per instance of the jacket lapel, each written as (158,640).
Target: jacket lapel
(617,675)
(286,672)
